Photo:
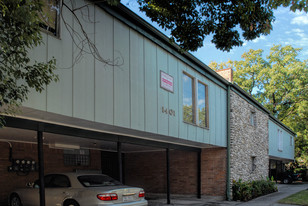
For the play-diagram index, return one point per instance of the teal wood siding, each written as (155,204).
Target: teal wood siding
(126,92)
(287,151)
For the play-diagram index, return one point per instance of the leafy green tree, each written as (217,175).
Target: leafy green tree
(190,21)
(188,114)
(20,31)
(280,83)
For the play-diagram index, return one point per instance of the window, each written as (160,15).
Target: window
(202,106)
(195,101)
(252,118)
(253,163)
(291,141)
(76,157)
(50,16)
(280,140)
(188,99)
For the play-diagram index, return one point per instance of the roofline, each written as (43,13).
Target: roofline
(137,23)
(253,101)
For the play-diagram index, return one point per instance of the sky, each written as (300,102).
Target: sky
(289,28)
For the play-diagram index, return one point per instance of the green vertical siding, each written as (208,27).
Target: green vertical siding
(288,149)
(151,86)
(126,93)
(173,97)
(121,75)
(162,98)
(137,87)
(83,69)
(60,96)
(104,104)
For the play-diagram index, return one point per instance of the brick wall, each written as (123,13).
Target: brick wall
(214,171)
(148,170)
(53,163)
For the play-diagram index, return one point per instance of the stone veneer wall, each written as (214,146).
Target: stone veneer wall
(247,141)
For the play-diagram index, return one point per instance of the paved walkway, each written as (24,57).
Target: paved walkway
(284,190)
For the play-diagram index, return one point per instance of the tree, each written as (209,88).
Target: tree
(280,83)
(190,21)
(20,31)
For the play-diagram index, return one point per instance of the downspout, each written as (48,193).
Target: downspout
(228,143)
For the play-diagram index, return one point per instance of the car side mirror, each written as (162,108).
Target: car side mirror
(30,184)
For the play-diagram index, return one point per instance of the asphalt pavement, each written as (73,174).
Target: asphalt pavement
(284,190)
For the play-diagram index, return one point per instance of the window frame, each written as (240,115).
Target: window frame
(280,140)
(193,99)
(253,119)
(44,26)
(206,105)
(195,82)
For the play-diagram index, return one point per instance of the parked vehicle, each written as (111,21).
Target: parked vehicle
(73,189)
(288,177)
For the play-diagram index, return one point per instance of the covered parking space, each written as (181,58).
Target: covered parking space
(122,152)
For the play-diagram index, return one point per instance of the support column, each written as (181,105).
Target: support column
(41,167)
(119,145)
(168,176)
(199,175)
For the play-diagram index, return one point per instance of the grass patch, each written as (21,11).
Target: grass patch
(300,198)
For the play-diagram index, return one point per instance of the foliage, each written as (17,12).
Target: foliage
(228,21)
(188,114)
(20,31)
(245,191)
(280,83)
(300,198)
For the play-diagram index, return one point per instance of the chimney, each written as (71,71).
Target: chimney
(226,74)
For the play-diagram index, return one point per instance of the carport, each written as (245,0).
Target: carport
(117,141)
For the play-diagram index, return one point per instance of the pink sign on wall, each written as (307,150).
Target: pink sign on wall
(166,81)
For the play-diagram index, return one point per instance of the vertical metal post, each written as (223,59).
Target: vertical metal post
(119,145)
(168,176)
(199,175)
(41,166)
(228,143)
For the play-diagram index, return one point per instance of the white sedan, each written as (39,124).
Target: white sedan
(73,189)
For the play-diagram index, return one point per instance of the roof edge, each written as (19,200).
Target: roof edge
(129,15)
(258,104)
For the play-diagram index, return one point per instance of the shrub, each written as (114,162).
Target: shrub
(245,191)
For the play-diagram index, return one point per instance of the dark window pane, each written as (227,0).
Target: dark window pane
(97,181)
(60,181)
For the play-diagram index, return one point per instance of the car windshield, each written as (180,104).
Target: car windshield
(97,181)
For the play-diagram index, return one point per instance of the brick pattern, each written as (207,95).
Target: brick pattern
(226,74)
(53,163)
(145,169)
(148,169)
(214,170)
(247,141)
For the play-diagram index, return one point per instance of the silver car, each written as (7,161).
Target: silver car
(73,189)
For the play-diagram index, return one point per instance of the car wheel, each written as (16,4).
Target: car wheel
(286,181)
(15,200)
(70,203)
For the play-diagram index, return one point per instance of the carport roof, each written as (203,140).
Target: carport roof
(132,136)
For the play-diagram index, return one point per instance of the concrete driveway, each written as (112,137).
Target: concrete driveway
(284,190)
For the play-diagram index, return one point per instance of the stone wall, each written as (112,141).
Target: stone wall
(248,142)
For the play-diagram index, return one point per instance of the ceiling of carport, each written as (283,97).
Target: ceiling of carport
(58,141)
